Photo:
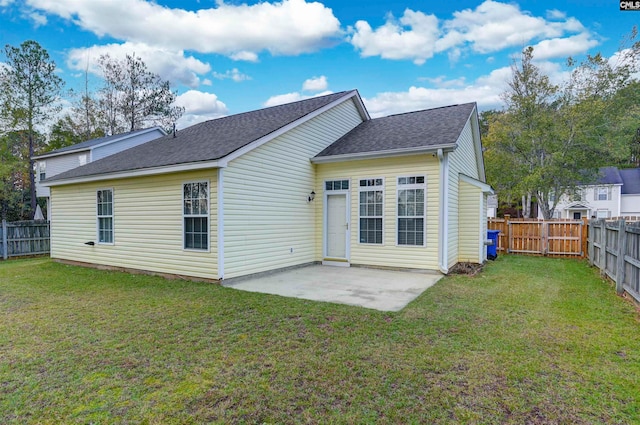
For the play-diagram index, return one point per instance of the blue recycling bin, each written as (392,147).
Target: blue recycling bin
(492,248)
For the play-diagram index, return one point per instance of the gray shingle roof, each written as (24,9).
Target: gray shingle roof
(427,128)
(631,180)
(609,175)
(87,144)
(207,141)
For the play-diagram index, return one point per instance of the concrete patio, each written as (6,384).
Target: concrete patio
(385,290)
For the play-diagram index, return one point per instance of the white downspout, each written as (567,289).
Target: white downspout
(443,229)
(220,220)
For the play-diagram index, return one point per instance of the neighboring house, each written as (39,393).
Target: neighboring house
(311,181)
(64,159)
(616,193)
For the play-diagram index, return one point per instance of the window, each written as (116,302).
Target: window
(411,210)
(602,194)
(336,185)
(42,168)
(195,201)
(603,214)
(371,210)
(82,159)
(104,209)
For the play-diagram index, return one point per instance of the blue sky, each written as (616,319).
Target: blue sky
(233,56)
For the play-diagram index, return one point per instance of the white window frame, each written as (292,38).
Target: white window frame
(607,192)
(42,170)
(374,188)
(408,186)
(111,216)
(607,213)
(207,216)
(324,185)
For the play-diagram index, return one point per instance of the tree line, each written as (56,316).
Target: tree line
(552,137)
(129,98)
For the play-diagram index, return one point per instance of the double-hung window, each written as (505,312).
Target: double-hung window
(371,196)
(104,213)
(195,209)
(411,210)
(602,194)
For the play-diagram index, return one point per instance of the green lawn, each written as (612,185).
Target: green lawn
(528,340)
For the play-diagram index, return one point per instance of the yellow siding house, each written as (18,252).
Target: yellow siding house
(314,181)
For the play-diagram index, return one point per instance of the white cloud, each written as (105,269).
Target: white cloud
(563,47)
(244,56)
(38,19)
(291,97)
(442,81)
(5,3)
(556,14)
(232,74)
(288,27)
(490,27)
(413,36)
(485,91)
(493,26)
(169,64)
(315,84)
(199,107)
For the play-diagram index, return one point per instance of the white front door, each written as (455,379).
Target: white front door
(337,226)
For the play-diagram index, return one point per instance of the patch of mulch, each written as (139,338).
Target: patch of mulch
(469,269)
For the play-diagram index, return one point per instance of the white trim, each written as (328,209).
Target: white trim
(371,189)
(45,155)
(336,263)
(113,221)
(482,186)
(477,142)
(207,216)
(383,154)
(261,141)
(443,230)
(422,186)
(166,169)
(325,201)
(220,224)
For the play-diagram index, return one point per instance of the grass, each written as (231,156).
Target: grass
(529,340)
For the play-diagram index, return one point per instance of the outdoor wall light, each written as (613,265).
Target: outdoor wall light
(90,243)
(312,196)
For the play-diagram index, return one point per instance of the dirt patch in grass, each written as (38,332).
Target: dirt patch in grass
(468,269)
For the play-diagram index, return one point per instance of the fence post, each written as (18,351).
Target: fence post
(5,248)
(507,233)
(602,261)
(590,242)
(622,249)
(584,237)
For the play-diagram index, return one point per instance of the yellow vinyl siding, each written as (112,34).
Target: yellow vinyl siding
(461,161)
(268,222)
(470,225)
(147,225)
(389,254)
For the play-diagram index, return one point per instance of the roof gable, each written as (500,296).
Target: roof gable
(426,129)
(89,144)
(209,141)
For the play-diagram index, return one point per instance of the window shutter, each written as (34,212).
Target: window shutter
(609,193)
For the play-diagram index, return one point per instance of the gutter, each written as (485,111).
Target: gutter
(384,154)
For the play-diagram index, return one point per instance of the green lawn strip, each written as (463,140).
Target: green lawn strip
(527,340)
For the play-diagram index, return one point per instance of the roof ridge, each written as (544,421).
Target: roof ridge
(268,108)
(428,109)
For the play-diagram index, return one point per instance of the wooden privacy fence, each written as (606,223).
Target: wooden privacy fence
(541,237)
(614,247)
(24,238)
